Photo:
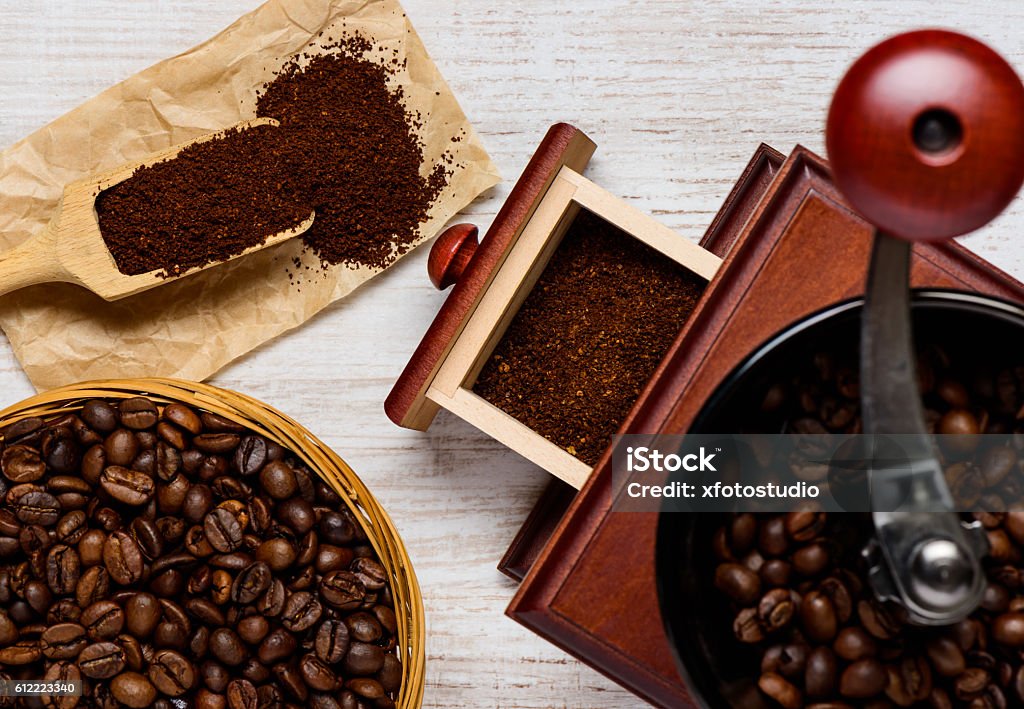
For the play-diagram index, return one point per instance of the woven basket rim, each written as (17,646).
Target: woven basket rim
(320,458)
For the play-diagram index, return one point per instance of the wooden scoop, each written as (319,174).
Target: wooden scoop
(71,249)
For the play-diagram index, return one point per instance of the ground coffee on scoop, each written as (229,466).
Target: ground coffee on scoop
(589,336)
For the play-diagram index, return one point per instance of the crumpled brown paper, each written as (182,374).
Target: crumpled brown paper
(191,328)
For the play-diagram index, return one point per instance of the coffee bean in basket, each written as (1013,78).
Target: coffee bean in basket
(164,555)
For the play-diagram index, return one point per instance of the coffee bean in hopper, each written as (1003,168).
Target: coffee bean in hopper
(185,558)
(841,647)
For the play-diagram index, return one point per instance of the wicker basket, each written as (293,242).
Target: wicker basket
(279,428)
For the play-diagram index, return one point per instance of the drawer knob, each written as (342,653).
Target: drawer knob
(450,254)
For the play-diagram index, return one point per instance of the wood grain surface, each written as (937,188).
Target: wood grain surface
(677,95)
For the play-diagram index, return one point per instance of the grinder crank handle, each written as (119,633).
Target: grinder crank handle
(925,137)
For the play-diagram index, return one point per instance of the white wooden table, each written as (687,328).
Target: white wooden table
(677,95)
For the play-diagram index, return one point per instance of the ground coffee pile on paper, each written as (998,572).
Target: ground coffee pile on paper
(589,336)
(346,149)
(354,155)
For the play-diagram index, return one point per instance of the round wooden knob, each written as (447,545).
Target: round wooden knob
(925,135)
(450,254)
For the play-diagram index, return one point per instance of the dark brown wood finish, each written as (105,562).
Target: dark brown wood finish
(926,135)
(451,253)
(718,239)
(592,590)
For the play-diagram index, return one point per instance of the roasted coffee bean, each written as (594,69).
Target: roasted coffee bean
(130,487)
(123,558)
(301,611)
(364,627)
(342,589)
(23,652)
(390,675)
(170,435)
(101,660)
(818,617)
(775,573)
(386,617)
(332,641)
(62,641)
(108,518)
(121,447)
(216,443)
(171,673)
(277,646)
(878,619)
(198,501)
(910,680)
(138,413)
(863,679)
(370,572)
(133,654)
(227,647)
(811,560)
(317,675)
(63,569)
(33,537)
(734,580)
(253,629)
(206,611)
(1008,629)
(289,677)
(99,415)
(971,683)
(854,644)
(775,611)
(241,694)
(783,692)
(338,528)
(820,674)
(222,530)
(72,527)
(215,676)
(297,514)
(147,536)
(946,656)
(251,583)
(22,464)
(31,504)
(363,659)
(271,603)
(205,699)
(251,455)
(201,581)
(278,554)
(133,690)
(182,417)
(235,561)
(805,525)
(38,596)
(278,480)
(103,620)
(365,687)
(788,660)
(61,672)
(90,547)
